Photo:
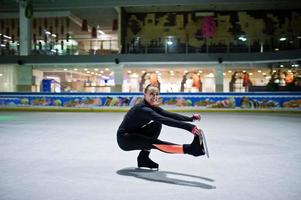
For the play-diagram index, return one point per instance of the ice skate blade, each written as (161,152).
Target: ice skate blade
(147,168)
(203,140)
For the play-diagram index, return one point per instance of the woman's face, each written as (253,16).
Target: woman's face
(152,96)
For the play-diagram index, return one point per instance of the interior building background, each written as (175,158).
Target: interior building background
(228,46)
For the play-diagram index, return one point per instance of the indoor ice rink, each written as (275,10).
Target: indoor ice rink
(64,156)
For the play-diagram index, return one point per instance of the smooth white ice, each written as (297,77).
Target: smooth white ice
(74,156)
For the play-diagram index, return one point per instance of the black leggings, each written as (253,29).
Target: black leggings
(142,139)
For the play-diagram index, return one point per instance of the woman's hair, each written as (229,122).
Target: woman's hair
(148,86)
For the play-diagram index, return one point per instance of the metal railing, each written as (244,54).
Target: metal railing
(88,46)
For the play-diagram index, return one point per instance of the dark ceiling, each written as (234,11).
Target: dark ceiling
(154,5)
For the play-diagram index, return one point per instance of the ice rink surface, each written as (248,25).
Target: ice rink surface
(74,156)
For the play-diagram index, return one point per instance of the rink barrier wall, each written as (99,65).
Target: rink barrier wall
(121,102)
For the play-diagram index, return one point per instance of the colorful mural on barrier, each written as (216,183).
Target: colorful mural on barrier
(176,100)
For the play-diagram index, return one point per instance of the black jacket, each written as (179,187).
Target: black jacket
(141,114)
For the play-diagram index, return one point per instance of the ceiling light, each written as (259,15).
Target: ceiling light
(210,75)
(7,37)
(47,32)
(242,38)
(101,32)
(282,39)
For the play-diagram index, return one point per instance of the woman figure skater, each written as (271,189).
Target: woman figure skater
(142,125)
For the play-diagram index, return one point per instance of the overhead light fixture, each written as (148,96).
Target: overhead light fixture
(242,38)
(7,37)
(101,32)
(211,75)
(282,39)
(47,32)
